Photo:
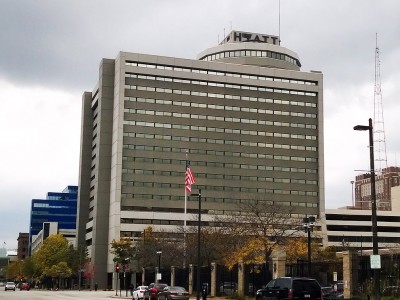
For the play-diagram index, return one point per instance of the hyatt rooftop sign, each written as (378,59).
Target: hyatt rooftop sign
(243,37)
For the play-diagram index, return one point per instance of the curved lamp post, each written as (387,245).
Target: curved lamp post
(308,224)
(377,274)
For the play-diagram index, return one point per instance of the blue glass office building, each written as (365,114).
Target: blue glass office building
(60,207)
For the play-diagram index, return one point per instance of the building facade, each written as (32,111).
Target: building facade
(247,118)
(60,207)
(50,228)
(352,229)
(385,180)
(23,245)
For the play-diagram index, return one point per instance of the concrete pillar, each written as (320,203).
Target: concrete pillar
(240,278)
(191,274)
(172,276)
(133,279)
(350,273)
(213,287)
(278,267)
(144,277)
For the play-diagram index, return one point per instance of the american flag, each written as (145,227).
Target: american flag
(189,178)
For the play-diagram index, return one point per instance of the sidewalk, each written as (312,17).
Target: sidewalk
(123,296)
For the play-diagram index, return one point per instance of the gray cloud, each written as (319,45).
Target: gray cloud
(56,46)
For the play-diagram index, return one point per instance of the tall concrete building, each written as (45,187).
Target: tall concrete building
(249,120)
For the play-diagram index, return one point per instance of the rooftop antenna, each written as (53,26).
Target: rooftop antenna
(379,125)
(279,22)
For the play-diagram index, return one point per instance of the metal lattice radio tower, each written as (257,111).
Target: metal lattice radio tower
(379,125)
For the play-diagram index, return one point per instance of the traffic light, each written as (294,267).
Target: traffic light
(117,267)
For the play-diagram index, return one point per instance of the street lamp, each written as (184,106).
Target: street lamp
(375,253)
(308,224)
(198,246)
(159,252)
(352,193)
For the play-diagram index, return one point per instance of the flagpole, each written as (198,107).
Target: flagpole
(189,180)
(184,219)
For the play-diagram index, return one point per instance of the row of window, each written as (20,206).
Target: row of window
(219,73)
(219,165)
(219,153)
(208,129)
(226,107)
(221,118)
(159,185)
(233,201)
(161,222)
(223,85)
(363,239)
(48,205)
(219,176)
(215,95)
(252,53)
(261,111)
(209,140)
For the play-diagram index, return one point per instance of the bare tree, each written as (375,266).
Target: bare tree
(256,229)
(250,233)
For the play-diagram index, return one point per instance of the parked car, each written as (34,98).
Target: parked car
(9,286)
(393,290)
(151,293)
(24,286)
(138,292)
(291,288)
(338,291)
(173,293)
(327,292)
(227,288)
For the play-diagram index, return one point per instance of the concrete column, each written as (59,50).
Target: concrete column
(172,276)
(350,273)
(144,277)
(191,273)
(278,267)
(133,278)
(240,278)
(213,287)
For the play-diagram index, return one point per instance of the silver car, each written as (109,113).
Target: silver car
(10,286)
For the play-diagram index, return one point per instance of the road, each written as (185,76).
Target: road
(67,294)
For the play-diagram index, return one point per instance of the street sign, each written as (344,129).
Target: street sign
(375,261)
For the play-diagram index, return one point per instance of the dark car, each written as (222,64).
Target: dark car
(24,286)
(227,288)
(327,292)
(151,293)
(338,291)
(173,293)
(291,288)
(391,291)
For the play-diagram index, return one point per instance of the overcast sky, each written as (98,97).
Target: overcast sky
(50,53)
